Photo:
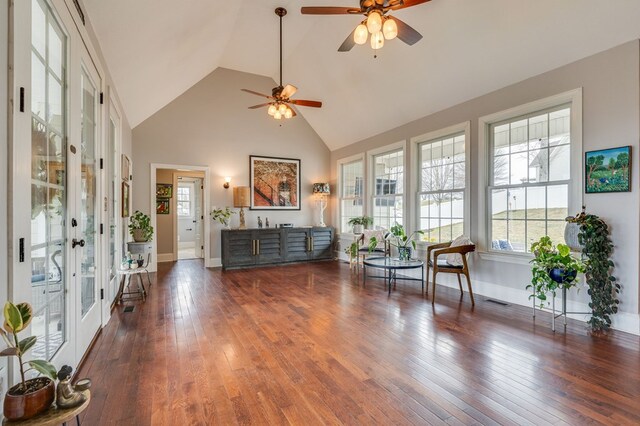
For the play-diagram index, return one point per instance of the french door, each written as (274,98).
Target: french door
(54,177)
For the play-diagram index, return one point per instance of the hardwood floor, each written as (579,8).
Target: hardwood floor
(308,344)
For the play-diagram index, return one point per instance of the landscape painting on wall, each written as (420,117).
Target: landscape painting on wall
(608,170)
(275,183)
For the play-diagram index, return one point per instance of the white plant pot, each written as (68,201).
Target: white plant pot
(357,229)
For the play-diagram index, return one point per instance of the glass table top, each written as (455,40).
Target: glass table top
(392,263)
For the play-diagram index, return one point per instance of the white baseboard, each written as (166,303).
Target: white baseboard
(165,257)
(213,262)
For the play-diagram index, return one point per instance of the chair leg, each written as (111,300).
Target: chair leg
(433,296)
(460,283)
(469,285)
(427,280)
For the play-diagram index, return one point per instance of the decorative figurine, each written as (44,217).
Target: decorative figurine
(267,221)
(259,222)
(66,395)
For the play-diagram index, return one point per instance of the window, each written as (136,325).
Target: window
(388,178)
(351,192)
(184,200)
(530,178)
(441,188)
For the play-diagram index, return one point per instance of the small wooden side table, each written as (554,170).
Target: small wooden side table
(54,415)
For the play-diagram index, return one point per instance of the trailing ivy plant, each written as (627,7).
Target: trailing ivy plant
(603,287)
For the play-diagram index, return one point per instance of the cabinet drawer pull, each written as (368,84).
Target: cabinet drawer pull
(257,247)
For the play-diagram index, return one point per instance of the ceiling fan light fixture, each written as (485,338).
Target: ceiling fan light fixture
(288,114)
(272,110)
(361,34)
(374,22)
(277,115)
(377,40)
(282,108)
(390,29)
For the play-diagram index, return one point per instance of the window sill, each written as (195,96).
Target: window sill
(515,258)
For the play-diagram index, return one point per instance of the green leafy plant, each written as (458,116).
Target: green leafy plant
(17,318)
(142,222)
(397,237)
(365,221)
(547,258)
(222,216)
(352,250)
(603,287)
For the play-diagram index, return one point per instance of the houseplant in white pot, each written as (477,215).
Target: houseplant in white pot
(359,223)
(140,227)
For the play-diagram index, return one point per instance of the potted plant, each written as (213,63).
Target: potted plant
(359,223)
(140,227)
(399,239)
(223,216)
(352,251)
(553,267)
(29,397)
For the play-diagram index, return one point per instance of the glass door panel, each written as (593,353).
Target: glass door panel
(112,155)
(48,181)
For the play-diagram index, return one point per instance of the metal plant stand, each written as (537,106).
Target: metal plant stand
(562,313)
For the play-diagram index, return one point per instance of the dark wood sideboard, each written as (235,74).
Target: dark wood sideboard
(242,248)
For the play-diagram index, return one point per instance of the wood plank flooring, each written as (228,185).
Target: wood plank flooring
(309,344)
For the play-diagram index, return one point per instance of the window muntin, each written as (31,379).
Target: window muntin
(184,200)
(530,178)
(441,187)
(388,190)
(351,192)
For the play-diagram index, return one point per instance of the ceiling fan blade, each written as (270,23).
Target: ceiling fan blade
(259,106)
(407,3)
(329,10)
(406,33)
(302,102)
(293,112)
(256,93)
(288,91)
(348,43)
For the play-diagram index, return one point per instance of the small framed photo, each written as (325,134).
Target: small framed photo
(608,170)
(125,199)
(162,207)
(126,168)
(164,190)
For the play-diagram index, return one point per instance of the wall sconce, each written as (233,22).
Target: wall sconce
(227,180)
(321,191)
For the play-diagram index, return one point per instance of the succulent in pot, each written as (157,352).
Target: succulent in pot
(140,227)
(30,397)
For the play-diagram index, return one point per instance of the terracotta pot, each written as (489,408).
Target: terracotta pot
(138,236)
(22,407)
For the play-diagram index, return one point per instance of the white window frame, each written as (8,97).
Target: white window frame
(370,183)
(574,99)
(416,142)
(191,189)
(342,162)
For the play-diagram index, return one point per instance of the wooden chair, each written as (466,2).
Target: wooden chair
(363,251)
(441,265)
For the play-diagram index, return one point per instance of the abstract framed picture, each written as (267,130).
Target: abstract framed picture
(162,207)
(125,199)
(275,183)
(608,170)
(164,190)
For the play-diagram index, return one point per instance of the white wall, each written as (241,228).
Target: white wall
(210,125)
(4,133)
(611,118)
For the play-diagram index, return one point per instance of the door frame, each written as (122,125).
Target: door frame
(176,220)
(208,263)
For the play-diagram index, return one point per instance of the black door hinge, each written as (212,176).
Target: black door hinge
(101,229)
(102,294)
(22,99)
(101,164)
(201,247)
(21,248)
(101,98)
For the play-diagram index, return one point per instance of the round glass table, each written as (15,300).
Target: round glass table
(391,265)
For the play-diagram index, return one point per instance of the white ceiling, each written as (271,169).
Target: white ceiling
(157,49)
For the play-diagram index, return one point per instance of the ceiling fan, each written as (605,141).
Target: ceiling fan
(280,98)
(377,22)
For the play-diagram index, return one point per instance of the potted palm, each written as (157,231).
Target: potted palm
(140,227)
(398,238)
(30,397)
(553,268)
(359,223)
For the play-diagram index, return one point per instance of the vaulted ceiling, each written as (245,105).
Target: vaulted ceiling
(157,49)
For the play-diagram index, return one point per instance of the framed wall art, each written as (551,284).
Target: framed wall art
(125,199)
(275,183)
(608,170)
(162,207)
(164,190)
(126,168)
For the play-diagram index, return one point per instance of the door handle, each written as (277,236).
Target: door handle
(253,247)
(75,243)
(257,246)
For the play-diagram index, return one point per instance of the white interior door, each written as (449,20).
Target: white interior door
(198,218)
(113,208)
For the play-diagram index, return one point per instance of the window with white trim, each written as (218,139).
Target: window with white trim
(184,200)
(388,190)
(530,178)
(442,187)
(351,192)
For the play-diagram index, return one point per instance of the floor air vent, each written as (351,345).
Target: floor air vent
(497,302)
(129,308)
